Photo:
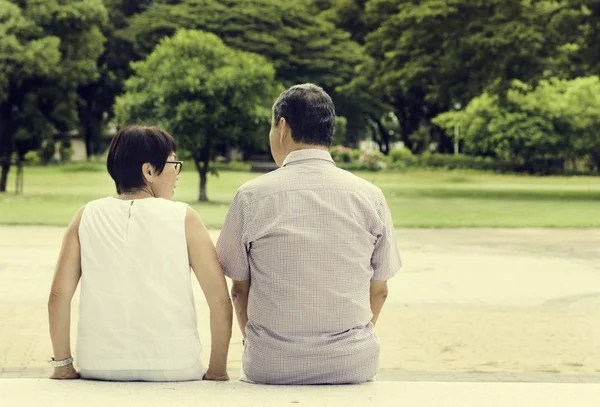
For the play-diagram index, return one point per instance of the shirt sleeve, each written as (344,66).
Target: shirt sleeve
(386,259)
(232,249)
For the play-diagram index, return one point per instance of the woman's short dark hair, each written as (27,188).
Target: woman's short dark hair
(131,148)
(310,113)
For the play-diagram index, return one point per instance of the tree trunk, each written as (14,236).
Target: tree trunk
(381,135)
(405,129)
(93,135)
(445,144)
(4,176)
(384,146)
(88,144)
(410,113)
(7,132)
(202,163)
(375,135)
(354,127)
(91,127)
(203,196)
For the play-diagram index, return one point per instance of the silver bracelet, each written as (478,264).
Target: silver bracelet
(61,363)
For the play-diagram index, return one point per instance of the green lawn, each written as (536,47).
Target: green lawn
(417,199)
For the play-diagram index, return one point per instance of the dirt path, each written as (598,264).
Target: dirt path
(473,300)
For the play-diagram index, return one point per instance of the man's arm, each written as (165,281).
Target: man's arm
(203,260)
(239,294)
(232,252)
(65,281)
(385,260)
(379,293)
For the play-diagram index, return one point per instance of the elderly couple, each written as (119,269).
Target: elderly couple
(308,247)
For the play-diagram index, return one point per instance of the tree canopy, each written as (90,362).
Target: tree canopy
(301,45)
(203,92)
(396,69)
(48,48)
(540,127)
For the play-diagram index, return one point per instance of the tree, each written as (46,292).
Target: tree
(490,128)
(302,46)
(363,104)
(432,54)
(579,21)
(97,98)
(47,49)
(541,127)
(202,91)
(364,109)
(573,106)
(349,15)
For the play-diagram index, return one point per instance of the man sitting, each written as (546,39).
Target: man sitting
(309,247)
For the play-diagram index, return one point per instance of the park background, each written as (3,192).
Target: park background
(466,113)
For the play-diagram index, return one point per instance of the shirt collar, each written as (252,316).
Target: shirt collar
(307,155)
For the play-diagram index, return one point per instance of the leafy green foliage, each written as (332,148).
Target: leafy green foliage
(349,15)
(301,47)
(524,69)
(48,49)
(544,125)
(203,92)
(433,54)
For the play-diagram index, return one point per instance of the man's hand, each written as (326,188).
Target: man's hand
(216,376)
(65,373)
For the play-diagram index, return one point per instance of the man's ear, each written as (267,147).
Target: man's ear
(285,131)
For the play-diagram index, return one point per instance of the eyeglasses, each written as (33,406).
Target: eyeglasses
(178,166)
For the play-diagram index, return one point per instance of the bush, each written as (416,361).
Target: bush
(32,158)
(402,158)
(349,159)
(461,161)
(237,166)
(401,154)
(341,154)
(373,161)
(84,167)
(355,160)
(65,154)
(47,152)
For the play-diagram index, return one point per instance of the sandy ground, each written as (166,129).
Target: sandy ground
(472,300)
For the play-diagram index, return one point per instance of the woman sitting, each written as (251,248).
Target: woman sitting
(133,253)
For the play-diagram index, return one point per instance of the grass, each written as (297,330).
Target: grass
(431,199)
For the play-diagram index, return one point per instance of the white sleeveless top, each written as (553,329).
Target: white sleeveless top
(137,307)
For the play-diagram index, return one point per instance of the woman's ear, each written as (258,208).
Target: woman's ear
(148,172)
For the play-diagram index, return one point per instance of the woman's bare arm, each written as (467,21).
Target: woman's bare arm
(203,260)
(64,284)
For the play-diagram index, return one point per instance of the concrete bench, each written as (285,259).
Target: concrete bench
(44,392)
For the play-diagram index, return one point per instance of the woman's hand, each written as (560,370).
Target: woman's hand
(65,373)
(216,376)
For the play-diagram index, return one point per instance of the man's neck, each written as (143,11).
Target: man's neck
(302,146)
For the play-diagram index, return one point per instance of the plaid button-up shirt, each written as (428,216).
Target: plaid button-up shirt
(310,237)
